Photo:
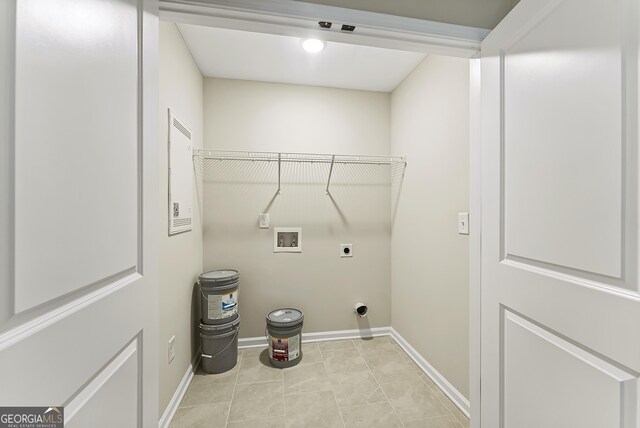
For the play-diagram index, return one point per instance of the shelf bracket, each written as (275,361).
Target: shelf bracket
(279,170)
(333,158)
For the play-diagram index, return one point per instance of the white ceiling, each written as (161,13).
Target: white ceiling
(234,54)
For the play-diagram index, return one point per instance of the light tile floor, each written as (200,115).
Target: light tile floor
(345,383)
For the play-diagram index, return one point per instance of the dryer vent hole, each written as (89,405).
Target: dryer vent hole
(361,310)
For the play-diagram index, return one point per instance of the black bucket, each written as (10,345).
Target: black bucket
(219,346)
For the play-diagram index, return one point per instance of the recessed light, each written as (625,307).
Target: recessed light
(313,45)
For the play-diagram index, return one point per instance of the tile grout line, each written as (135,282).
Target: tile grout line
(233,394)
(435,390)
(429,387)
(380,386)
(333,394)
(284,399)
(447,407)
(435,417)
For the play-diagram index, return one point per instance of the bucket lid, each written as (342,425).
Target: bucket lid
(220,328)
(285,317)
(219,277)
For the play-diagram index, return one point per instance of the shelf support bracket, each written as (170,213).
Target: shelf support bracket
(279,169)
(333,158)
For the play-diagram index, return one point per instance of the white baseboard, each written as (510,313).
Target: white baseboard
(254,342)
(437,378)
(170,411)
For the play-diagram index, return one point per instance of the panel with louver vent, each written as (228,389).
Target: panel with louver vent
(180,175)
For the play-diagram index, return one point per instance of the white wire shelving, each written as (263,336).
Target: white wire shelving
(281,157)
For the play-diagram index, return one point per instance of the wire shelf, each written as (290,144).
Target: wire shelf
(298,157)
(396,162)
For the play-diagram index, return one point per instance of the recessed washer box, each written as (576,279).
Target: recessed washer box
(287,239)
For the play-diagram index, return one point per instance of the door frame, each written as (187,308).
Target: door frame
(475,237)
(19,327)
(298,19)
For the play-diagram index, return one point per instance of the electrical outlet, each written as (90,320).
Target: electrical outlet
(346,250)
(171,350)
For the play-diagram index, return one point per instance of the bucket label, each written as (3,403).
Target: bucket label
(222,305)
(284,348)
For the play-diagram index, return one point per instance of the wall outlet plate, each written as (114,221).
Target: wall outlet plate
(463,223)
(263,220)
(346,250)
(171,349)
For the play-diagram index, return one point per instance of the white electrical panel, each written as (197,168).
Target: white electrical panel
(180,175)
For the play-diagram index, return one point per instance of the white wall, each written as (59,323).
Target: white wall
(181,89)
(474,13)
(244,115)
(430,124)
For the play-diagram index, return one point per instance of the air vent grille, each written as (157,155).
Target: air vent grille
(181,222)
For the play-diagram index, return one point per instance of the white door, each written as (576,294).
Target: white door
(560,303)
(77,261)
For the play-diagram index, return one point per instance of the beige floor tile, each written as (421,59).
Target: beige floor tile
(254,352)
(414,400)
(257,401)
(437,422)
(355,388)
(344,361)
(258,369)
(427,380)
(370,415)
(258,423)
(437,391)
(205,416)
(375,347)
(332,375)
(210,388)
(312,409)
(310,354)
(378,396)
(399,349)
(336,344)
(306,378)
(457,413)
(392,369)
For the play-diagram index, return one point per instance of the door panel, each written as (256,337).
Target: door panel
(552,183)
(76,102)
(117,384)
(535,359)
(560,303)
(79,326)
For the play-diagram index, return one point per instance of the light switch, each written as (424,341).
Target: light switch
(264,221)
(463,223)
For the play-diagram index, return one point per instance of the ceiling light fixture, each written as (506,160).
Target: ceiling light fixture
(313,45)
